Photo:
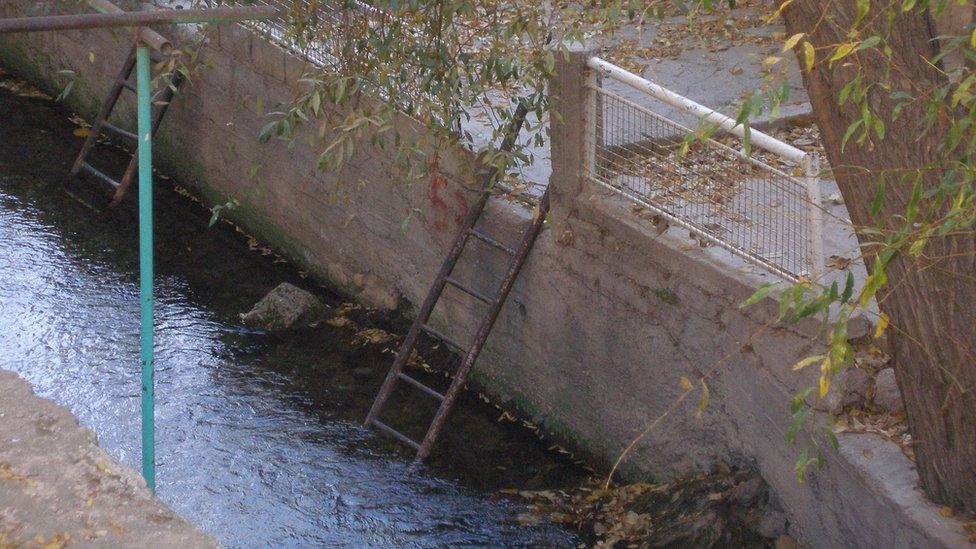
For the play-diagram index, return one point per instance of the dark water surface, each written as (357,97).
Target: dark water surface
(258,436)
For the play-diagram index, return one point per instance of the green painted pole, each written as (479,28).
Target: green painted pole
(144,103)
(117,18)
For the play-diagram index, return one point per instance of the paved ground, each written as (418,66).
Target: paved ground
(58,488)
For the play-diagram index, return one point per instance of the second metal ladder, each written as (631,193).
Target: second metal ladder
(494,302)
(160,100)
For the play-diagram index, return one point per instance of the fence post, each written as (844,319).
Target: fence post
(571,129)
(811,173)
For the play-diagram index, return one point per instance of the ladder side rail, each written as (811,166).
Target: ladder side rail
(166,97)
(484,330)
(107,107)
(433,295)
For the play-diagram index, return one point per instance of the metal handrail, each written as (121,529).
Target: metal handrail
(758,138)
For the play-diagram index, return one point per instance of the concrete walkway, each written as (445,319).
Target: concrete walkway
(58,488)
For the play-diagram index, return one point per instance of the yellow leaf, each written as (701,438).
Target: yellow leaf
(946,511)
(842,51)
(771,60)
(972,39)
(57,541)
(809,56)
(81,132)
(703,403)
(686,384)
(793,41)
(776,14)
(806,362)
(824,386)
(338,321)
(916,248)
(879,330)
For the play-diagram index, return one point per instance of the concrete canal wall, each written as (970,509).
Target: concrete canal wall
(605,319)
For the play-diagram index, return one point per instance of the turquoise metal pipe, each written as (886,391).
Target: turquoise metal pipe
(144,108)
(117,18)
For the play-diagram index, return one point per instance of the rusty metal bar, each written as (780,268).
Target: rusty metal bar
(133,19)
(162,101)
(148,36)
(106,110)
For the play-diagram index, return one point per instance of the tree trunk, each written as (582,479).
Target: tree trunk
(931,301)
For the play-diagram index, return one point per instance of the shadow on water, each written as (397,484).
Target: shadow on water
(259,440)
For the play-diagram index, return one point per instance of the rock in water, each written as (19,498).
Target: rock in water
(284,307)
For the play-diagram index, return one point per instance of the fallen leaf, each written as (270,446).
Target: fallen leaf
(57,541)
(338,321)
(7,474)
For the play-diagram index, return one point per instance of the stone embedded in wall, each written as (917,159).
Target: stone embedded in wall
(373,291)
(337,275)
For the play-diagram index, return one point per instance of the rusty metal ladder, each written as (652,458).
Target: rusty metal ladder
(494,302)
(160,100)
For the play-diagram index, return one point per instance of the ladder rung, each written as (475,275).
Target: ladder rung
(469,291)
(423,388)
(86,167)
(396,434)
(437,335)
(491,241)
(119,131)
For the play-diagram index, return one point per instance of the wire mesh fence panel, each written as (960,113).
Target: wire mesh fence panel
(317,30)
(312,29)
(718,194)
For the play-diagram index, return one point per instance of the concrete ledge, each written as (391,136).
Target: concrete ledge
(55,481)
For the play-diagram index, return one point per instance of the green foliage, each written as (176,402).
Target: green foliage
(456,67)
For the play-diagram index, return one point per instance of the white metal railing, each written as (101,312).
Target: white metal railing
(739,202)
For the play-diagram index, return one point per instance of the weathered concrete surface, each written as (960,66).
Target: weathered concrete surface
(57,485)
(604,320)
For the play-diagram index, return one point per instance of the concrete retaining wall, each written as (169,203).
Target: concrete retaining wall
(604,320)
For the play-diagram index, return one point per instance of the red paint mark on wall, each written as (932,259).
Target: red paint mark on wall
(462,209)
(442,211)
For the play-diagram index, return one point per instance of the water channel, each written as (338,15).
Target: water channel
(259,437)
